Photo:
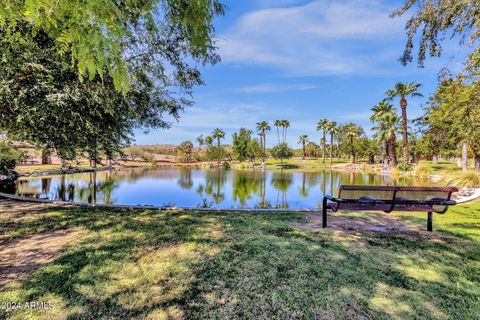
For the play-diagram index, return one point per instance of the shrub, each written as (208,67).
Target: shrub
(404,167)
(148,157)
(394,173)
(185,151)
(9,157)
(134,152)
(468,179)
(282,151)
(422,172)
(226,165)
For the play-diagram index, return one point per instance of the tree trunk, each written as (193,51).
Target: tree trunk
(434,159)
(393,151)
(385,152)
(63,163)
(352,152)
(477,163)
(46,156)
(331,148)
(218,152)
(464,156)
(304,151)
(405,130)
(323,147)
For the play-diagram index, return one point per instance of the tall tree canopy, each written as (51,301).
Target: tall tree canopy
(45,99)
(434,20)
(104,36)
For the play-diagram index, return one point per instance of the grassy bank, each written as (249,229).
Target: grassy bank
(148,264)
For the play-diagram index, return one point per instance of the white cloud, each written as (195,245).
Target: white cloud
(318,38)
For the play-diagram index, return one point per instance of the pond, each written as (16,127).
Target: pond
(194,187)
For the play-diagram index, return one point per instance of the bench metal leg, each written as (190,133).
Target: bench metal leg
(430,222)
(324,213)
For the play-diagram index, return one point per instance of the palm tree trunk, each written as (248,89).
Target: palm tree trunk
(331,148)
(303,150)
(464,156)
(264,141)
(352,151)
(323,147)
(385,151)
(278,135)
(218,152)
(393,151)
(405,130)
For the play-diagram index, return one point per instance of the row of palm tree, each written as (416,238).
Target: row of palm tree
(388,123)
(327,127)
(284,124)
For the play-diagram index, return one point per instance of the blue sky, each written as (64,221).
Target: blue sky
(302,61)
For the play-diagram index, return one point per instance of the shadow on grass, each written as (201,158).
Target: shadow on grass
(150,264)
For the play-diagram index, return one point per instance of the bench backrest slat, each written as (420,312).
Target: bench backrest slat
(398,193)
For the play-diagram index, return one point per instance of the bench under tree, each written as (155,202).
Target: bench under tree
(390,198)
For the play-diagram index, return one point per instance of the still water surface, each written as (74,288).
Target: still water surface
(187,187)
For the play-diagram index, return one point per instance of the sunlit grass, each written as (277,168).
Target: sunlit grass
(218,265)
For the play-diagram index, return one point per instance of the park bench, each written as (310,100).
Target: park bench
(390,198)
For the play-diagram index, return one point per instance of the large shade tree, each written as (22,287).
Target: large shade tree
(434,20)
(104,36)
(47,100)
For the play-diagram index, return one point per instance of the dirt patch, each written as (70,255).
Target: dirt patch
(23,256)
(380,222)
(13,206)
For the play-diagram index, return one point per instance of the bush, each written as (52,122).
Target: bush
(468,179)
(9,157)
(404,167)
(422,172)
(148,157)
(282,151)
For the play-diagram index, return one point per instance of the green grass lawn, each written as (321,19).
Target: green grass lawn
(201,265)
(300,162)
(440,165)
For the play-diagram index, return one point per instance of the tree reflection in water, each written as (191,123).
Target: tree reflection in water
(185,180)
(190,187)
(281,181)
(214,182)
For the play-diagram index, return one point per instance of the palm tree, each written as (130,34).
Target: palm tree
(218,134)
(379,110)
(331,128)
(303,139)
(277,124)
(208,140)
(322,125)
(200,140)
(262,128)
(388,126)
(285,125)
(352,131)
(402,91)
